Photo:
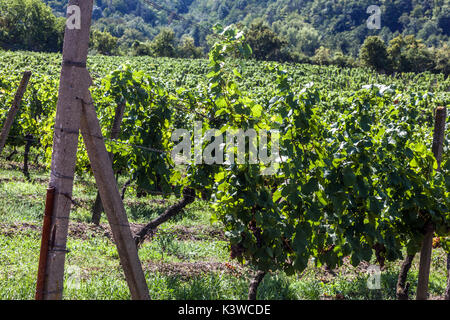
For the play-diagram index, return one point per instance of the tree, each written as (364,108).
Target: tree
(409,54)
(373,54)
(187,48)
(29,25)
(322,56)
(97,13)
(301,36)
(163,45)
(141,49)
(341,60)
(103,42)
(443,21)
(442,60)
(265,43)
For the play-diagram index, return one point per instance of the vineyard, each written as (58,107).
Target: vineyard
(356,184)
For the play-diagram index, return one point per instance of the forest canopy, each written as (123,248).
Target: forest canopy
(313,31)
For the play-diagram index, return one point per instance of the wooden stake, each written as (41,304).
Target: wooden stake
(109,193)
(439,134)
(14,108)
(447,290)
(427,244)
(425,264)
(115,133)
(74,90)
(74,83)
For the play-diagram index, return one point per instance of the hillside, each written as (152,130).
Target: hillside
(304,24)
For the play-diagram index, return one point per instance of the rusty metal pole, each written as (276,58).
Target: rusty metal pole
(46,229)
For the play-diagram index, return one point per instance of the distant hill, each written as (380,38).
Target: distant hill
(305,24)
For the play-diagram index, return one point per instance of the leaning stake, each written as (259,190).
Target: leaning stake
(114,209)
(115,133)
(14,108)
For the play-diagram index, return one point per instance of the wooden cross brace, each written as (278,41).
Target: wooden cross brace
(75,114)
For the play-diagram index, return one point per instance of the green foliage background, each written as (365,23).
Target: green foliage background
(305,25)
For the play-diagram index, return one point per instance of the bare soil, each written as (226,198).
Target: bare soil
(85,231)
(188,270)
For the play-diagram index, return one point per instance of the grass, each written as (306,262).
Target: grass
(187,259)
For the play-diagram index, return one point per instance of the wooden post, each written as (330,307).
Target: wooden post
(425,264)
(439,134)
(14,108)
(109,193)
(427,244)
(74,89)
(29,142)
(447,290)
(115,133)
(74,83)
